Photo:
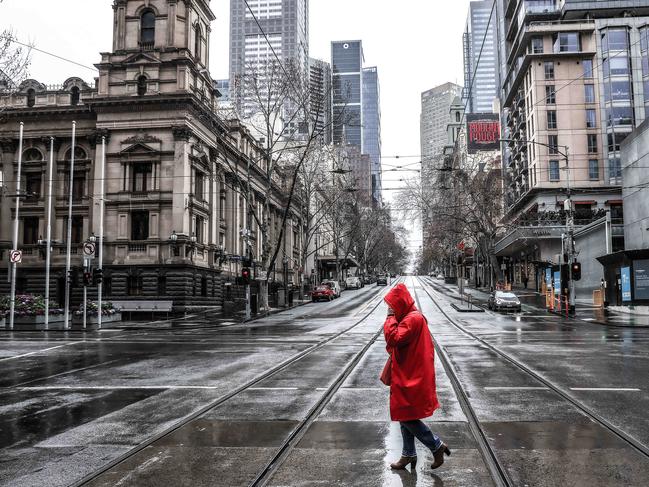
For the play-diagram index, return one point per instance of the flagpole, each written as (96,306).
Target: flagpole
(48,241)
(101,230)
(14,266)
(66,324)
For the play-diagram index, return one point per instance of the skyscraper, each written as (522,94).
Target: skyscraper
(320,97)
(347,73)
(480,66)
(371,128)
(435,112)
(285,24)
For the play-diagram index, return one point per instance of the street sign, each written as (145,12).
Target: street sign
(89,249)
(16,256)
(261,276)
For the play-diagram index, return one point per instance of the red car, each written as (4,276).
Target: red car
(322,292)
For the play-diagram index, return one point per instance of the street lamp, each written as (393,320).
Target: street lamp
(173,238)
(192,247)
(220,253)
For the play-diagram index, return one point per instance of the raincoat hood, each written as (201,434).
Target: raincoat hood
(400,300)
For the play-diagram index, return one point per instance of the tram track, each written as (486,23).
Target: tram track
(579,405)
(495,467)
(302,426)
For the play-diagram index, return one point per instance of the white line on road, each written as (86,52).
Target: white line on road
(273,388)
(512,388)
(37,351)
(606,389)
(111,388)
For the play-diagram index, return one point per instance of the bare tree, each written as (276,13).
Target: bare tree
(15,61)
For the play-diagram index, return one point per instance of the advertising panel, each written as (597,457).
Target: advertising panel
(483,130)
(641,279)
(557,282)
(548,277)
(625,273)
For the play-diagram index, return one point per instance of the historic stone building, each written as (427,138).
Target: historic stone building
(184,189)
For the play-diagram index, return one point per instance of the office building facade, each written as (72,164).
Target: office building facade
(480,58)
(574,79)
(284,32)
(320,98)
(347,72)
(372,128)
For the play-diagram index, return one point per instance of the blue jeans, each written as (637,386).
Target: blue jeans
(416,428)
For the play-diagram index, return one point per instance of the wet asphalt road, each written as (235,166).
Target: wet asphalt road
(75,403)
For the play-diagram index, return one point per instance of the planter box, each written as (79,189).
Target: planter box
(56,322)
(94,320)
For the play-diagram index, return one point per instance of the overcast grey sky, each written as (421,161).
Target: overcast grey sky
(416,44)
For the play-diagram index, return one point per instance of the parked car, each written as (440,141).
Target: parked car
(504,300)
(368,280)
(353,282)
(335,286)
(440,276)
(382,280)
(322,293)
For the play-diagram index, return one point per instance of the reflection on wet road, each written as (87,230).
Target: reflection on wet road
(73,404)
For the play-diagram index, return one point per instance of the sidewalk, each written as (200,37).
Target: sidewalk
(585,310)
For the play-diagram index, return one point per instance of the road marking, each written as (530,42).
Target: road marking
(364,388)
(513,388)
(273,388)
(111,388)
(37,352)
(606,389)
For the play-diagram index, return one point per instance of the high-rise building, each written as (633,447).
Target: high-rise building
(347,73)
(574,86)
(435,116)
(435,112)
(320,98)
(480,46)
(284,31)
(371,101)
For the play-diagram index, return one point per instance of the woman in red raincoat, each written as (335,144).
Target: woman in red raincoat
(412,387)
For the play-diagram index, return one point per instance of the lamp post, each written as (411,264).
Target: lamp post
(570,222)
(192,247)
(285,268)
(173,239)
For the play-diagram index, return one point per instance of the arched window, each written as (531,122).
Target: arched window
(147,28)
(32,155)
(457,116)
(75,95)
(198,43)
(31,97)
(141,86)
(79,153)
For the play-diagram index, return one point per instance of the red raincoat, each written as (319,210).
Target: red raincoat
(412,391)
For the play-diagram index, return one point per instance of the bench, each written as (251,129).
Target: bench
(149,306)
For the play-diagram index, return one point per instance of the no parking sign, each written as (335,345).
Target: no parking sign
(16,256)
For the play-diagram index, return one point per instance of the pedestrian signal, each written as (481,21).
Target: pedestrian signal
(97,276)
(576,271)
(245,275)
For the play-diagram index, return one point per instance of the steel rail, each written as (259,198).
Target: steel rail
(219,401)
(302,427)
(496,469)
(621,434)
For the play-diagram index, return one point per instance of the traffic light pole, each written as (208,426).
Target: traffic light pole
(571,242)
(100,242)
(14,266)
(86,266)
(48,250)
(66,317)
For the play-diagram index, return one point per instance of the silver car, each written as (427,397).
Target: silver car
(504,300)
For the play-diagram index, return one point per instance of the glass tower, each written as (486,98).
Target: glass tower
(372,127)
(347,73)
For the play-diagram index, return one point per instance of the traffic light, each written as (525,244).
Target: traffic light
(576,271)
(245,275)
(87,278)
(97,276)
(73,277)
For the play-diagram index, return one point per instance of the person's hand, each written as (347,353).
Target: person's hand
(390,312)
